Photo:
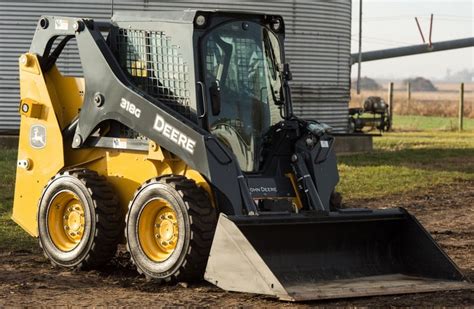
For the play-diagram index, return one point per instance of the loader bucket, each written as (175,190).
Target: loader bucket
(346,254)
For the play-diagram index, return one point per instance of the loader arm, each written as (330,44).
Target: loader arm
(106,82)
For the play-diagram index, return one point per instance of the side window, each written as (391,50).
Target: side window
(236,63)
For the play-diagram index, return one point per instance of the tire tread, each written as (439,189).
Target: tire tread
(108,218)
(203,221)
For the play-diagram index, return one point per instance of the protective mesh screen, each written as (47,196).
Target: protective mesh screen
(243,63)
(155,66)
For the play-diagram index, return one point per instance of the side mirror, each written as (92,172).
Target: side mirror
(215,91)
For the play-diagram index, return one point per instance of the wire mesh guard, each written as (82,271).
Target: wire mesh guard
(245,68)
(156,67)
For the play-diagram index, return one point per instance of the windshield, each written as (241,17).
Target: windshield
(243,59)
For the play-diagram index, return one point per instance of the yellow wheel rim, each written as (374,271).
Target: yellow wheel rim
(158,230)
(66,220)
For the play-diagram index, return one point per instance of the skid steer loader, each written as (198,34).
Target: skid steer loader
(180,141)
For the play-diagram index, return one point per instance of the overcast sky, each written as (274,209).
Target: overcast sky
(391,23)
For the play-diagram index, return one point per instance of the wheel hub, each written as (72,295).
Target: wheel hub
(158,230)
(66,221)
(74,220)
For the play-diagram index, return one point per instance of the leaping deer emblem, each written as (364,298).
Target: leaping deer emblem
(38,137)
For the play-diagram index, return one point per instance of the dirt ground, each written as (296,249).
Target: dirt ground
(27,279)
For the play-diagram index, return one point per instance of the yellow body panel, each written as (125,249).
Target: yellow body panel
(43,162)
(59,98)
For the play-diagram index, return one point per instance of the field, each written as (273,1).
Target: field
(429,173)
(442,103)
(432,123)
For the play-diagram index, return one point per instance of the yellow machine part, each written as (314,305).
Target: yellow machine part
(52,102)
(39,161)
(66,221)
(160,244)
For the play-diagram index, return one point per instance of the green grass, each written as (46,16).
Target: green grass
(423,123)
(12,237)
(403,162)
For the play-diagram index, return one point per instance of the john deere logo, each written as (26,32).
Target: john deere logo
(38,136)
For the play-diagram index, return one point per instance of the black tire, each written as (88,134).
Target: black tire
(102,220)
(196,220)
(335,201)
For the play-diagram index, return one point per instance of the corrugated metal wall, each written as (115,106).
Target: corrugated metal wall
(18,21)
(317,45)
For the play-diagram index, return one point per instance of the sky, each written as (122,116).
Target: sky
(391,23)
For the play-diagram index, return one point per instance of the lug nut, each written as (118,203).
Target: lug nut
(157,236)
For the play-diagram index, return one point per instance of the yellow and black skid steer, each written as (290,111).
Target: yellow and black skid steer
(180,141)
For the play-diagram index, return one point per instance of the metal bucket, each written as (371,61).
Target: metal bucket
(350,253)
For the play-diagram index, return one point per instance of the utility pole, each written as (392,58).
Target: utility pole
(360,47)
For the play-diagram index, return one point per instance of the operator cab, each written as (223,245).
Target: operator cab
(240,61)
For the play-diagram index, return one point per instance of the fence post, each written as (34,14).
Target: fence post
(461,106)
(408,95)
(390,104)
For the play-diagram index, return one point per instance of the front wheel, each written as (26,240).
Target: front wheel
(169,229)
(79,220)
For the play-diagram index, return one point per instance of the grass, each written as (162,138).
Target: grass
(400,162)
(12,237)
(423,123)
(403,162)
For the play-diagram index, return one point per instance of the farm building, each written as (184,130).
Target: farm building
(317,46)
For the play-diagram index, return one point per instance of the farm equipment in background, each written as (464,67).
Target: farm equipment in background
(180,141)
(375,115)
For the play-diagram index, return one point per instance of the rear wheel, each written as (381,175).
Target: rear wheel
(79,220)
(169,229)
